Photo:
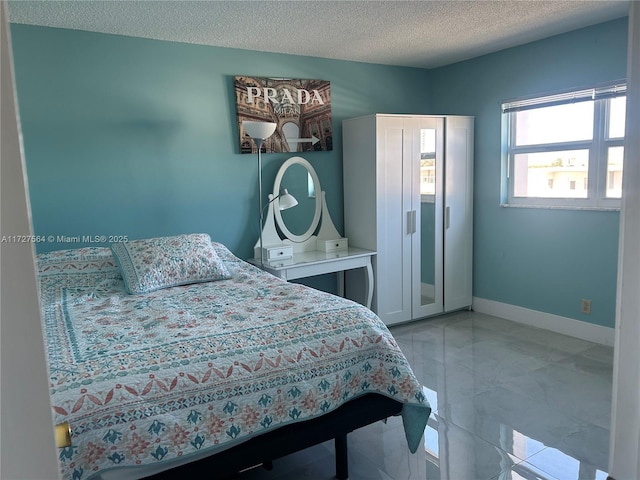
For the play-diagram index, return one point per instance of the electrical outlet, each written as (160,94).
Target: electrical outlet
(586,306)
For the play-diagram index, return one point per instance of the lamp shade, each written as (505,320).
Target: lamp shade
(286,199)
(259,130)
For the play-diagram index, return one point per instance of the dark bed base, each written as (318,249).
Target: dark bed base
(292,438)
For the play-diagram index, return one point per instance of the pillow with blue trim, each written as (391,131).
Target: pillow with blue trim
(155,263)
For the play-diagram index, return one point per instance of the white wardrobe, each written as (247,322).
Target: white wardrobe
(408,193)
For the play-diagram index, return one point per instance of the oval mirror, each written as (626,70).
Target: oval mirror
(299,223)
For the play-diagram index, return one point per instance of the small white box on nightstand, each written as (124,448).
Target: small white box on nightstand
(281,252)
(333,245)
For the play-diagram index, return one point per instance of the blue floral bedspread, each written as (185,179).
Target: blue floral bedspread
(155,377)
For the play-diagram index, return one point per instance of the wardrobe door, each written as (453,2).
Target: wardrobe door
(393,262)
(458,214)
(427,167)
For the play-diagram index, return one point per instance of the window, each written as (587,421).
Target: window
(565,149)
(428,164)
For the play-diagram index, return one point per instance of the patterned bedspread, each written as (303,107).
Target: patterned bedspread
(156,377)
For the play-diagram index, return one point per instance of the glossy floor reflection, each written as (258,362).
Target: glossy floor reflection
(509,402)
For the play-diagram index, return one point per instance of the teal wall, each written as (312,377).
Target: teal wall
(138,137)
(128,136)
(542,259)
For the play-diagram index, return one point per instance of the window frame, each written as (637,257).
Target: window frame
(597,146)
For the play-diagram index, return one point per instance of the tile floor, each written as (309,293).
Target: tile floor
(509,402)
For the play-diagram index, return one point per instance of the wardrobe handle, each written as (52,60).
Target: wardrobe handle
(447,217)
(411,222)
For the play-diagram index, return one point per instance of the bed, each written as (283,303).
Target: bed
(209,374)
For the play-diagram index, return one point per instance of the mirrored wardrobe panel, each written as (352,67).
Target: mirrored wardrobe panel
(429,131)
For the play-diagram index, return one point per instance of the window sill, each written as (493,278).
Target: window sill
(560,207)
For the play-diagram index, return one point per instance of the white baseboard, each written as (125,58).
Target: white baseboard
(555,323)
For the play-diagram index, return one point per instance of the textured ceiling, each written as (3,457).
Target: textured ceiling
(423,33)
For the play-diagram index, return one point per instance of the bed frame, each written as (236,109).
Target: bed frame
(262,450)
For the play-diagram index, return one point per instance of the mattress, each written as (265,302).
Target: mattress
(166,376)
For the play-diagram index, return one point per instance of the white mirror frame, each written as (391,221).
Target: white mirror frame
(318,208)
(321,219)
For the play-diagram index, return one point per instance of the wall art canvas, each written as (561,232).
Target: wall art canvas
(300,108)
